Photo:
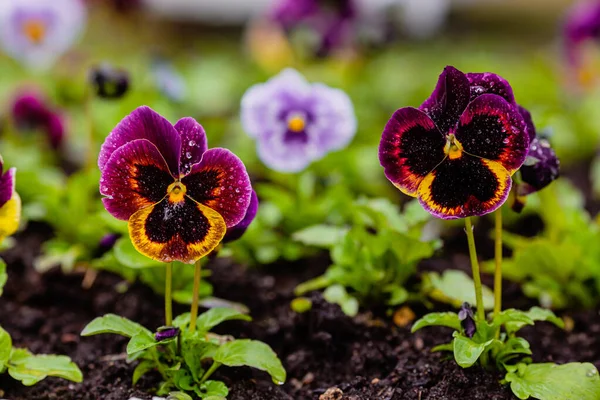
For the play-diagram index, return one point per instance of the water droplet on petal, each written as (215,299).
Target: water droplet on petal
(191,143)
(188,155)
(592,372)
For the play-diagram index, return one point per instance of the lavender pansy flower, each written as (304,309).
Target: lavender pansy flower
(582,24)
(31,112)
(37,32)
(178,196)
(10,203)
(295,122)
(332,20)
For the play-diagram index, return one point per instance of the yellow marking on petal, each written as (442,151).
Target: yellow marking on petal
(296,123)
(34,30)
(411,181)
(176,249)
(10,214)
(177,191)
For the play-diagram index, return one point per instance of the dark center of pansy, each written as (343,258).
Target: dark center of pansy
(177,191)
(296,123)
(34,30)
(453,148)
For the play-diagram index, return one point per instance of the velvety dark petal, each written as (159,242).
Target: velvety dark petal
(411,147)
(183,231)
(540,169)
(135,176)
(463,187)
(486,82)
(220,181)
(193,143)
(531,131)
(144,123)
(237,231)
(448,100)
(7,184)
(492,128)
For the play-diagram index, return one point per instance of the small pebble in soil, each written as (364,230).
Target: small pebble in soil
(332,394)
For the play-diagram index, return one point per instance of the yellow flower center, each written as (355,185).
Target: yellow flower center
(296,123)
(34,30)
(177,191)
(453,148)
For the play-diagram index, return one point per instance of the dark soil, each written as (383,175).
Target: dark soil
(365,358)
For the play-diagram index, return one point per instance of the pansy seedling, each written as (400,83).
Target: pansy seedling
(31,111)
(295,122)
(37,32)
(10,203)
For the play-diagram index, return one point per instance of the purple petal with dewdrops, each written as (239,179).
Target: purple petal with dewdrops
(295,122)
(37,32)
(220,181)
(449,99)
(144,123)
(540,169)
(193,143)
(531,131)
(7,184)
(238,231)
(487,82)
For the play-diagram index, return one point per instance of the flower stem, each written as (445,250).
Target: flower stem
(195,296)
(498,269)
(475,268)
(168,290)
(210,371)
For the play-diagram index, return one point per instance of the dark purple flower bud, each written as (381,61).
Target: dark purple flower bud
(467,320)
(166,332)
(541,167)
(109,82)
(108,241)
(237,231)
(30,112)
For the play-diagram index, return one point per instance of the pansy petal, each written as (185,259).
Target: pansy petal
(237,231)
(144,123)
(10,214)
(487,82)
(185,231)
(463,187)
(531,131)
(540,169)
(135,176)
(220,181)
(448,100)
(7,185)
(492,128)
(193,143)
(411,147)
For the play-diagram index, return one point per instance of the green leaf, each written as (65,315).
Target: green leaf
(142,369)
(466,351)
(449,319)
(548,381)
(215,316)
(111,323)
(456,287)
(251,353)
(140,341)
(5,348)
(196,348)
(213,389)
(127,255)
(30,369)
(301,304)
(323,236)
(179,396)
(337,294)
(3,275)
(534,314)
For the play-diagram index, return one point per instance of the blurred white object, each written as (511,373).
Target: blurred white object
(37,32)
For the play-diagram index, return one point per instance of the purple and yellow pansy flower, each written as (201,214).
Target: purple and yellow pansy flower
(10,203)
(178,196)
(37,32)
(458,151)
